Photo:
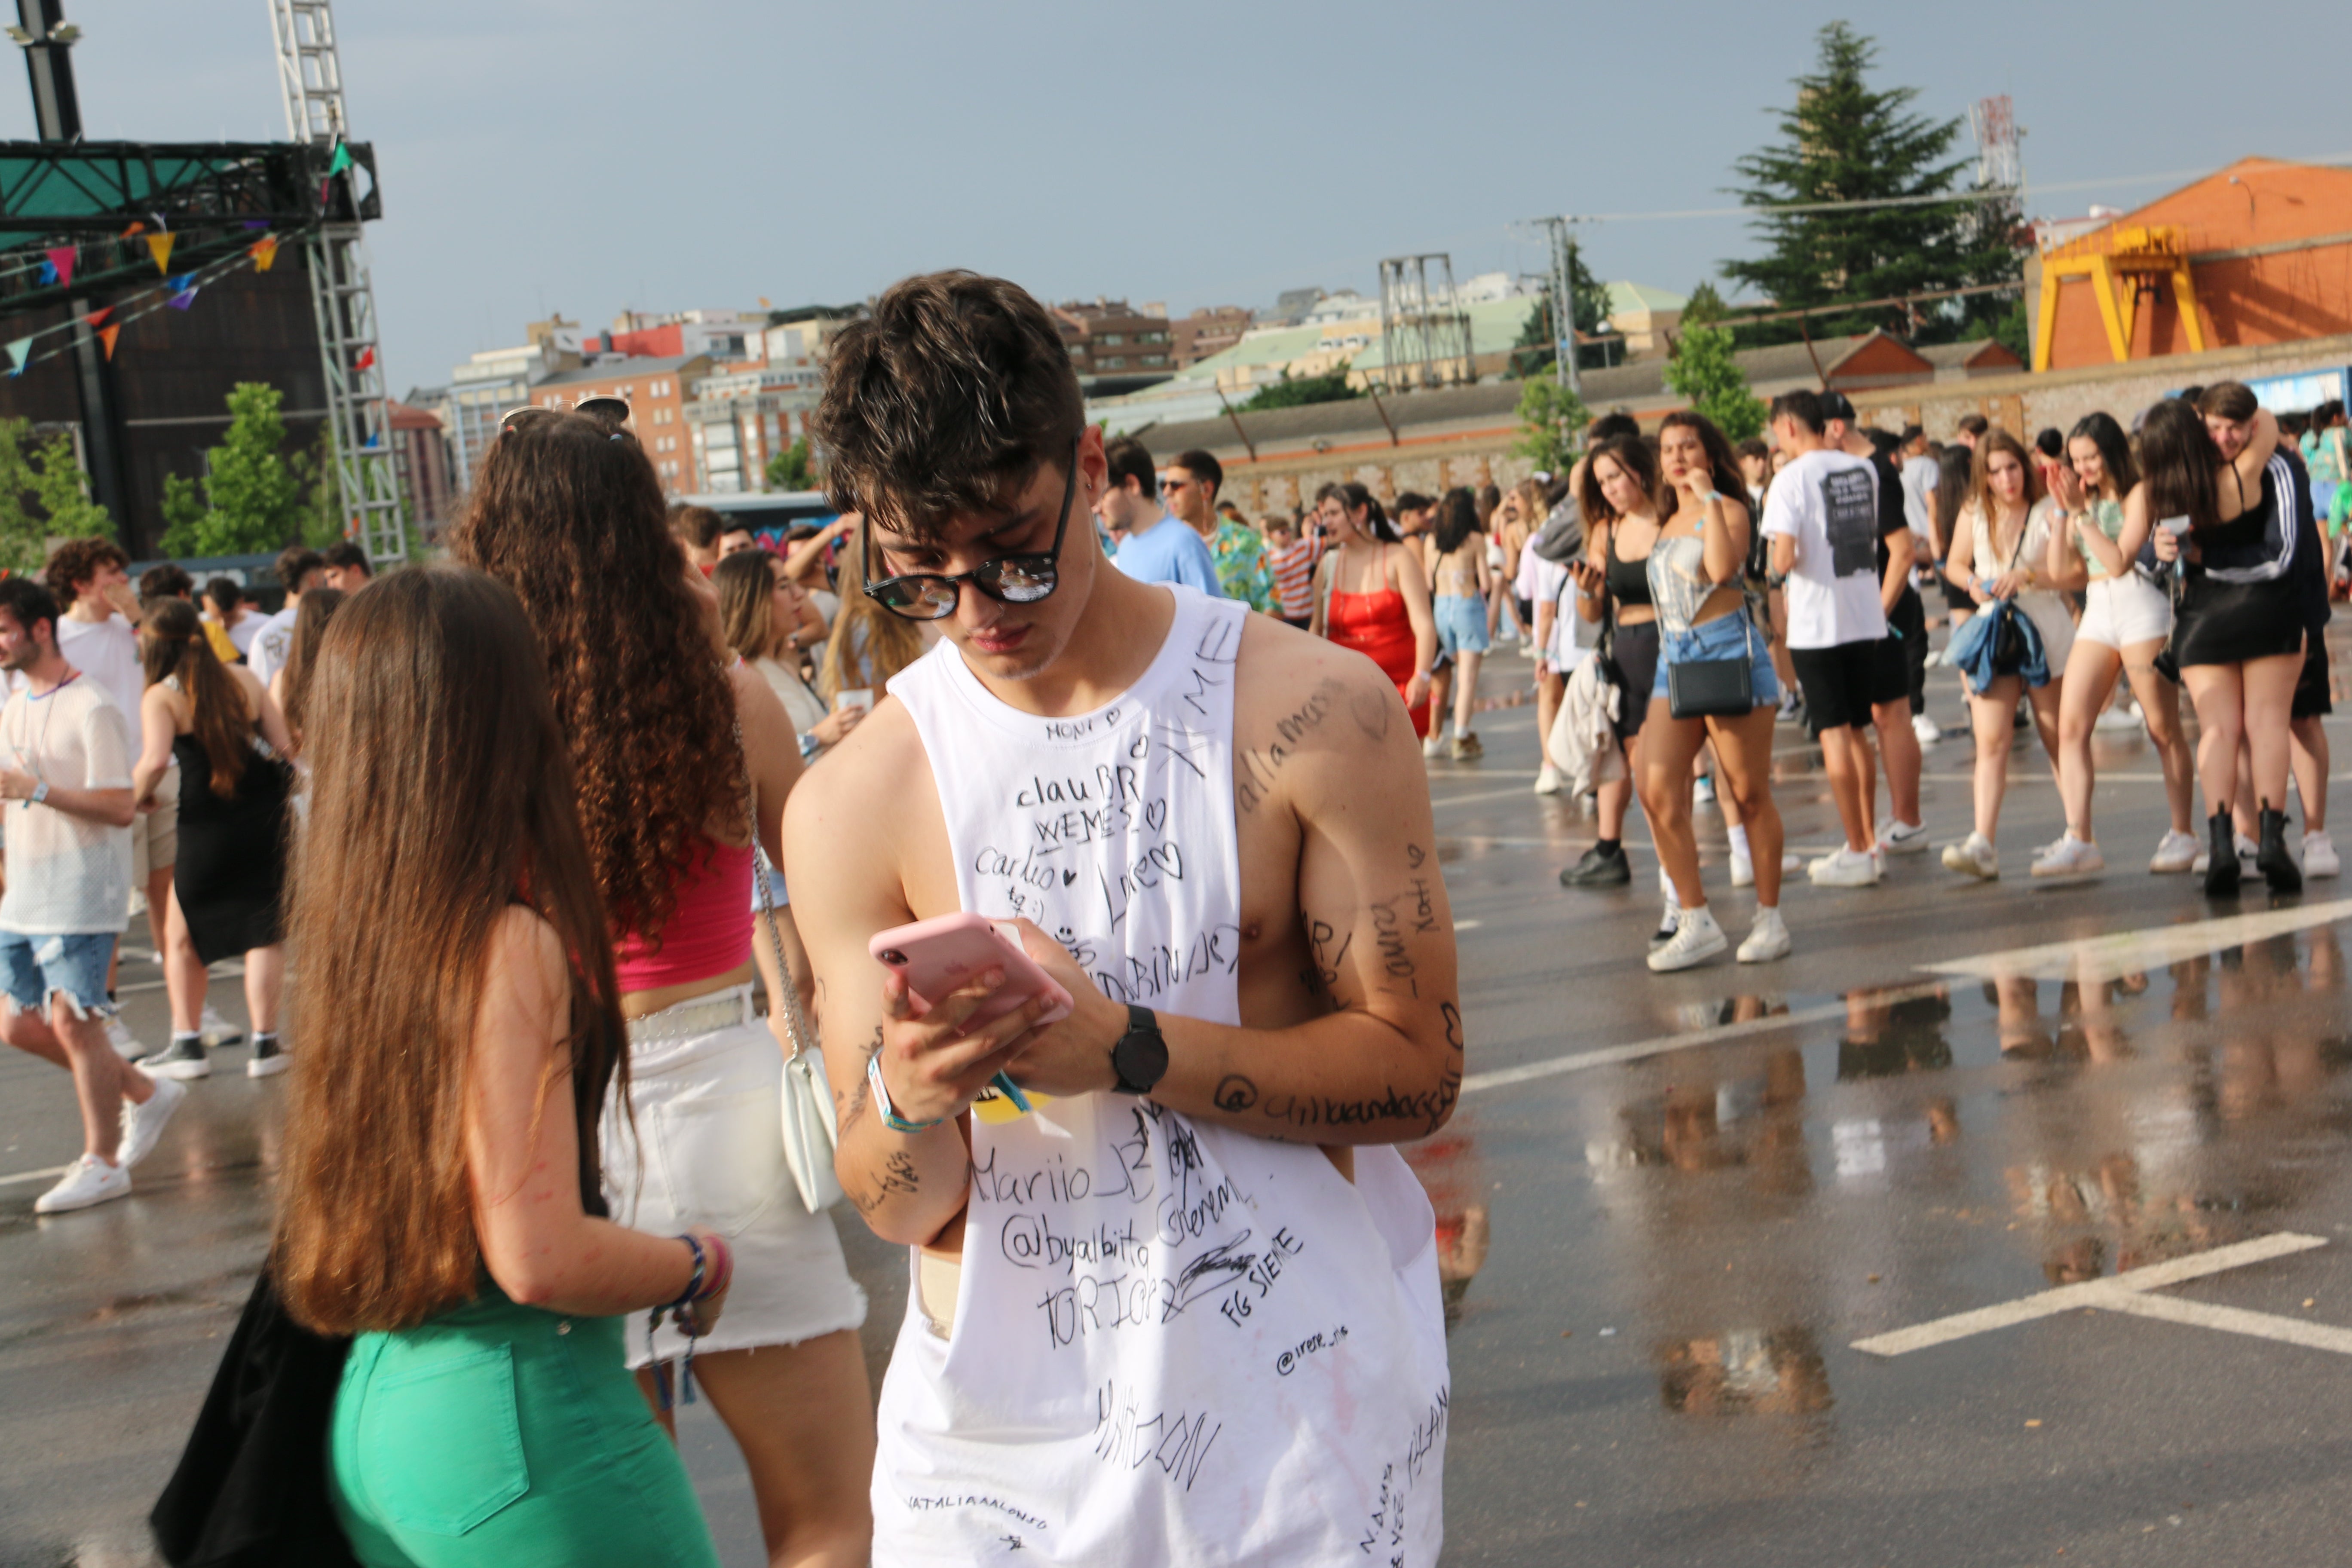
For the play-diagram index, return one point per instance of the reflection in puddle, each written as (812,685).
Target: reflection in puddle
(1761,1372)
(1453,1175)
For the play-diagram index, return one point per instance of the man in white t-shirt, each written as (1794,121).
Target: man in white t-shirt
(1823,519)
(301,569)
(98,634)
(1919,471)
(65,776)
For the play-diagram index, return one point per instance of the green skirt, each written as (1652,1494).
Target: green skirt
(509,1437)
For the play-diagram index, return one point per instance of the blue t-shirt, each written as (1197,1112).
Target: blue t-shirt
(1170,553)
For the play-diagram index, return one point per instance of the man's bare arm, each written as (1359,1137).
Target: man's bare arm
(1385,1065)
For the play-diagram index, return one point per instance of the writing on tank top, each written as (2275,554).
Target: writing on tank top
(1170,1341)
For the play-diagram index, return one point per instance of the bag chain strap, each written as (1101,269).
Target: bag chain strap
(796,1025)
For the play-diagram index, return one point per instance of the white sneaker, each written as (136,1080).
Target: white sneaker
(126,1045)
(1743,869)
(216,1030)
(2247,849)
(1973,856)
(1767,939)
(1934,658)
(1924,728)
(2178,852)
(1845,868)
(1548,782)
(143,1124)
(1899,837)
(89,1180)
(2318,855)
(1703,791)
(2116,720)
(1432,747)
(1697,939)
(2070,857)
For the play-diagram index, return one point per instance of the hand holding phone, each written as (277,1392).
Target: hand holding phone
(860,698)
(939,956)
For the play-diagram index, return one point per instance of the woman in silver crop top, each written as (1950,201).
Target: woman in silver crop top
(1697,585)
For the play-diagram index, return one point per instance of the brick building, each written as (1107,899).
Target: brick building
(420,452)
(1211,330)
(1109,337)
(656,391)
(2259,252)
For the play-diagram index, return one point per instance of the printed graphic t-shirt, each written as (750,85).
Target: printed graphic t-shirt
(1828,502)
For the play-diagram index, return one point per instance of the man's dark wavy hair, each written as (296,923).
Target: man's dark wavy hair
(945,401)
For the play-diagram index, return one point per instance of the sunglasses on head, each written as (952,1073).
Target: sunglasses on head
(515,418)
(1007,579)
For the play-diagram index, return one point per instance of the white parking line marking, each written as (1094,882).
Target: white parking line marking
(34,1175)
(2139,951)
(2124,1293)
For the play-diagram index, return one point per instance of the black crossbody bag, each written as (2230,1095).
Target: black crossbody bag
(1714,687)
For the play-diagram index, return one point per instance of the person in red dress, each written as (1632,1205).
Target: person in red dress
(1371,594)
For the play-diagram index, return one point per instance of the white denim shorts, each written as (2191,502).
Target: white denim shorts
(2120,611)
(706,1083)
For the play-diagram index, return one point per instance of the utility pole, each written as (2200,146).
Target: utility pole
(46,37)
(367,478)
(1563,299)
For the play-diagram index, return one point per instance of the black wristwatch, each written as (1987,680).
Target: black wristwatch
(1141,1056)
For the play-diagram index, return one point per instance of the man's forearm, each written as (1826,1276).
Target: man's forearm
(1349,1078)
(106,807)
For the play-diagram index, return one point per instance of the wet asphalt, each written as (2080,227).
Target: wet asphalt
(1668,1207)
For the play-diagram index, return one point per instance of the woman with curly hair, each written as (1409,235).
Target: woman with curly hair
(668,733)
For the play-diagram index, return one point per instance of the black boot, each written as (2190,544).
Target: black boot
(2222,858)
(2274,861)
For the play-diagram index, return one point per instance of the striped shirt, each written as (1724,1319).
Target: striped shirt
(1294,578)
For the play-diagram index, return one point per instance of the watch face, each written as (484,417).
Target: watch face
(1139,1058)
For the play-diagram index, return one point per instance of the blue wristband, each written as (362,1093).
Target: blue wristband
(890,1117)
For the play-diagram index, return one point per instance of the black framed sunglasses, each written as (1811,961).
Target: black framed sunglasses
(1007,579)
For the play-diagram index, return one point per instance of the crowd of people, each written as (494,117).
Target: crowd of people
(599,844)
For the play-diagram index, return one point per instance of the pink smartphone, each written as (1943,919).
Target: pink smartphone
(937,956)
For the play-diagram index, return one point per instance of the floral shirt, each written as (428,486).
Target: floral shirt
(1242,569)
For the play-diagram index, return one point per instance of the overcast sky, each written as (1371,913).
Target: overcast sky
(591,157)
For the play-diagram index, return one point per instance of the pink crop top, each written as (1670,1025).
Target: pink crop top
(709,931)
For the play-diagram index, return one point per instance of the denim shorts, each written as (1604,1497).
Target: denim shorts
(1722,638)
(1461,623)
(39,966)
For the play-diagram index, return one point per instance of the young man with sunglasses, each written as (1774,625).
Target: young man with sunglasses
(1191,485)
(1154,547)
(1179,1303)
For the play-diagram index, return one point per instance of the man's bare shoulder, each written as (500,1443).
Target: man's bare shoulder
(874,763)
(1308,714)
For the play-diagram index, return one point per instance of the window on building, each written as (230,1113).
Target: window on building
(1155,359)
(1111,338)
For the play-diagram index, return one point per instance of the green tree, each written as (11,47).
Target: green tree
(1537,347)
(321,507)
(1551,423)
(62,490)
(1704,305)
(30,476)
(254,499)
(1296,391)
(1703,369)
(184,507)
(790,469)
(1845,140)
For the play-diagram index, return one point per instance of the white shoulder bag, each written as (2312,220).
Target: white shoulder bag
(811,1130)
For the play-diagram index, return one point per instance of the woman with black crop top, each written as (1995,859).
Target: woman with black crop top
(1620,524)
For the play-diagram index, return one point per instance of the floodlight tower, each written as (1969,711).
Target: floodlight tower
(366,476)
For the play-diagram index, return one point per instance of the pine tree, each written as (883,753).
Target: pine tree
(1844,141)
(1703,369)
(1535,349)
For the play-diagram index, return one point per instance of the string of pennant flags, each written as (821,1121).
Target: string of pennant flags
(177,291)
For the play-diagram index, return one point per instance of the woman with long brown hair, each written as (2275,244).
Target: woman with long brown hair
(289,688)
(217,720)
(668,734)
(869,645)
(441,1197)
(1371,594)
(2237,632)
(1697,571)
(2008,547)
(760,610)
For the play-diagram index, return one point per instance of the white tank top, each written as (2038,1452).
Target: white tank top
(1173,1342)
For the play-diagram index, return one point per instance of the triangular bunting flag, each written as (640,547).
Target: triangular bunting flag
(46,275)
(134,230)
(19,352)
(340,162)
(263,251)
(107,336)
(256,223)
(159,245)
(367,358)
(184,298)
(61,261)
(98,318)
